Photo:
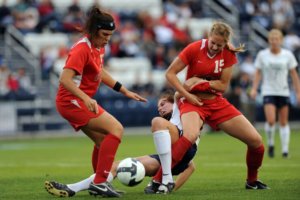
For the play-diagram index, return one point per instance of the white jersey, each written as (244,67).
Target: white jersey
(275,70)
(175,119)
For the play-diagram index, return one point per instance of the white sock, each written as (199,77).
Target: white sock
(270,134)
(162,141)
(81,185)
(285,138)
(110,177)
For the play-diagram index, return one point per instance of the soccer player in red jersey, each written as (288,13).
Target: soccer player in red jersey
(79,81)
(210,61)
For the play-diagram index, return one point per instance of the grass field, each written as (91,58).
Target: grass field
(26,163)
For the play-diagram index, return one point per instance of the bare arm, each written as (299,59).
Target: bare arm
(296,83)
(66,79)
(176,66)
(257,78)
(184,176)
(190,83)
(222,84)
(110,82)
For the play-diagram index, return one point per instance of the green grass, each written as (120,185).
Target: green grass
(25,165)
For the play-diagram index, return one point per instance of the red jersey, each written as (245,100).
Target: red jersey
(87,61)
(201,65)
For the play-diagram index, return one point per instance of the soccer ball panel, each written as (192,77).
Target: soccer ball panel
(130,172)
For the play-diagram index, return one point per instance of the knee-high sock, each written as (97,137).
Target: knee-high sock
(107,152)
(285,138)
(81,185)
(162,141)
(95,158)
(270,133)
(254,160)
(179,148)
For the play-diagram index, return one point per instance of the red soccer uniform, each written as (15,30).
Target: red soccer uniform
(87,62)
(201,65)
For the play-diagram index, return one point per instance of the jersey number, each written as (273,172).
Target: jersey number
(218,65)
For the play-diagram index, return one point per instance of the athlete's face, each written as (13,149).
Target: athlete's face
(102,38)
(216,43)
(275,41)
(164,107)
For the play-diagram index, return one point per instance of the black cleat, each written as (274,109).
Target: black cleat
(271,151)
(104,189)
(152,187)
(256,185)
(285,155)
(58,189)
(165,189)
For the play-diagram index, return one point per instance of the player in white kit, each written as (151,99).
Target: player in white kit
(273,67)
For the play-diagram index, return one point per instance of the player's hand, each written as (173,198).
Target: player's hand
(193,99)
(92,105)
(134,96)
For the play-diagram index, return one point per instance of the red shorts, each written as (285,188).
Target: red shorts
(213,111)
(76,112)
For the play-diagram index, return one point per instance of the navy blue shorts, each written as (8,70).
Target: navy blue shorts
(184,163)
(278,101)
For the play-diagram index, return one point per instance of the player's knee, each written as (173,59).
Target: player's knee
(255,141)
(118,130)
(157,123)
(192,137)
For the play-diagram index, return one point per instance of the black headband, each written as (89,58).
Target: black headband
(106,25)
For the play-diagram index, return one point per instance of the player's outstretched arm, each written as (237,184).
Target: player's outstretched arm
(108,80)
(184,176)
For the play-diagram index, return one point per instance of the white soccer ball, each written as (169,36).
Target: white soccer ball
(130,172)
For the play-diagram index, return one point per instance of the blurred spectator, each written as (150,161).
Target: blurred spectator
(159,59)
(283,15)
(148,44)
(5,15)
(26,87)
(48,16)
(291,41)
(74,18)
(25,16)
(48,56)
(13,87)
(129,39)
(4,72)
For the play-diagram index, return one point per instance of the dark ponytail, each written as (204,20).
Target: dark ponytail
(97,19)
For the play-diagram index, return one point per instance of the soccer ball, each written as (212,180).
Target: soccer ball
(130,172)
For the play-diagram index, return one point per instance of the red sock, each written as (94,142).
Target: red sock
(254,160)
(106,156)
(179,148)
(95,158)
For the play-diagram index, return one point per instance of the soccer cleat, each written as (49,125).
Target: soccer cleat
(165,189)
(104,189)
(256,185)
(285,155)
(58,189)
(271,151)
(152,187)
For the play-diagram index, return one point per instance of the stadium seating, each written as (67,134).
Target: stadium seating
(36,41)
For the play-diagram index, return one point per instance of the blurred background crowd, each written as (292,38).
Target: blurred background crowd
(35,36)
